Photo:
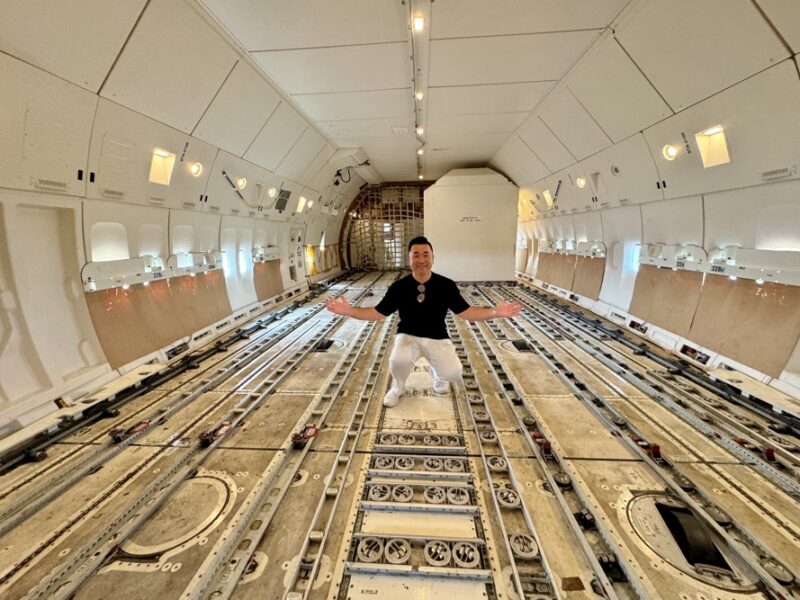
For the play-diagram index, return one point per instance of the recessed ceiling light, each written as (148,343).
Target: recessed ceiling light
(669,151)
(420,131)
(420,176)
(419,95)
(420,151)
(272,192)
(581,182)
(196,169)
(241,183)
(419,23)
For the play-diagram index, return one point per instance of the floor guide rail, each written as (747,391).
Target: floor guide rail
(567,463)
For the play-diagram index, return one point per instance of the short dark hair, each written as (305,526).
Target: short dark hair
(420,239)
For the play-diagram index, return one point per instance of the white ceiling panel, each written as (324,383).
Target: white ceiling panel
(276,24)
(462,18)
(341,69)
(302,153)
(786,17)
(356,105)
(396,170)
(274,141)
(570,122)
(691,50)
(239,111)
(63,37)
(152,78)
(368,128)
(545,145)
(526,159)
(481,99)
(490,141)
(490,123)
(518,58)
(603,79)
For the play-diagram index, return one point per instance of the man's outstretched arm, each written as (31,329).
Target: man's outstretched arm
(483,313)
(341,306)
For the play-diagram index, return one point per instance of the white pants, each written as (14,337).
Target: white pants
(441,354)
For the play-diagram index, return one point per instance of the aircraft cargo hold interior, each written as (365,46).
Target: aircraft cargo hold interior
(400,299)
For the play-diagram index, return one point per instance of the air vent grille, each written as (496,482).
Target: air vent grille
(778,173)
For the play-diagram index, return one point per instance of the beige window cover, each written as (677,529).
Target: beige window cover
(589,276)
(666,298)
(758,325)
(134,322)
(267,279)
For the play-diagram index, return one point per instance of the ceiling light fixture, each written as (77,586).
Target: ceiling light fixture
(419,23)
(420,151)
(195,169)
(581,182)
(420,177)
(669,151)
(419,95)
(272,192)
(420,130)
(241,183)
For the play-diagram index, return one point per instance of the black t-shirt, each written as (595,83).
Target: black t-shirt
(426,318)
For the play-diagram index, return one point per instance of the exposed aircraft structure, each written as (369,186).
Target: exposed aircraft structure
(185,183)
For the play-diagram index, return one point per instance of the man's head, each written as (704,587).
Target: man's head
(420,257)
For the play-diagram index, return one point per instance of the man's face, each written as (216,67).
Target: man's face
(421,259)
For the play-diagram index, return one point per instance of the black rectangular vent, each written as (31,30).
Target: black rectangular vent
(283,199)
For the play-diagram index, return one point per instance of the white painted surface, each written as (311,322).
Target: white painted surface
(471,220)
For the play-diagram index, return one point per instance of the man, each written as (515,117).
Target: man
(423,299)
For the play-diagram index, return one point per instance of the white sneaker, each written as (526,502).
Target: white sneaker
(441,386)
(392,397)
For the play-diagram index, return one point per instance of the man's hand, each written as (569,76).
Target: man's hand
(339,306)
(507,309)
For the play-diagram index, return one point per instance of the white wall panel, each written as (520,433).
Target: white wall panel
(193,232)
(310,173)
(572,125)
(63,38)
(570,195)
(301,155)
(146,229)
(482,99)
(274,141)
(588,227)
(338,69)
(45,126)
(624,171)
(122,150)
(691,50)
(474,239)
(222,197)
(238,111)
(762,126)
(563,228)
(786,17)
(236,243)
(622,231)
(673,222)
(505,59)
(765,217)
(615,92)
(47,346)
(545,145)
(172,66)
